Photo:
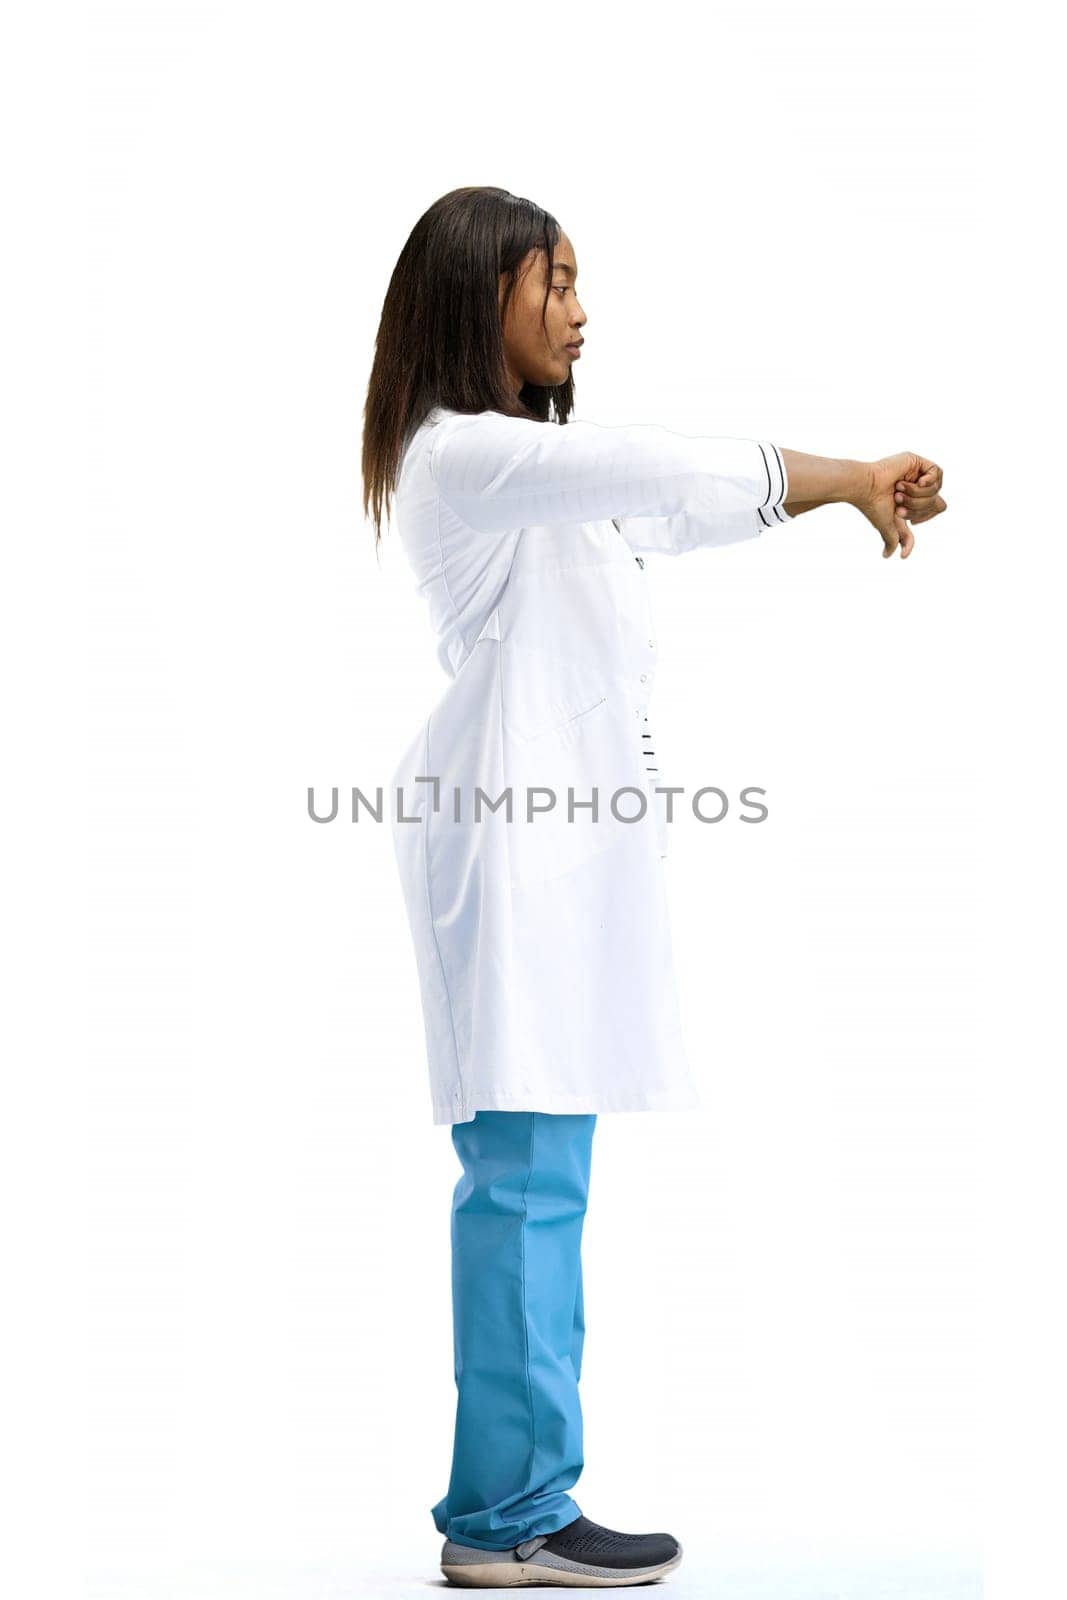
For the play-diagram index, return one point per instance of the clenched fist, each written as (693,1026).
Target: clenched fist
(900,490)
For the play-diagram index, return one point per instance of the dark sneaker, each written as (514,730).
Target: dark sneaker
(583,1555)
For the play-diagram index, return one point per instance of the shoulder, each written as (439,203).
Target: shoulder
(493,430)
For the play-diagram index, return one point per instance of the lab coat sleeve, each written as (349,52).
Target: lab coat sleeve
(687,530)
(500,473)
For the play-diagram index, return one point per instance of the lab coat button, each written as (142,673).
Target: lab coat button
(652,644)
(644,677)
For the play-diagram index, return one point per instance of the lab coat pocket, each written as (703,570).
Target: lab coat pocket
(568,724)
(545,689)
(545,841)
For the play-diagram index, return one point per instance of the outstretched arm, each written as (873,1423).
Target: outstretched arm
(499,473)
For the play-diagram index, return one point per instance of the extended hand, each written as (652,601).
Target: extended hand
(901,489)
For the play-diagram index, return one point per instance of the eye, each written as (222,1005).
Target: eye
(562,287)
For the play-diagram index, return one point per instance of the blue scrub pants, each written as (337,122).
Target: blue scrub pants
(518,1326)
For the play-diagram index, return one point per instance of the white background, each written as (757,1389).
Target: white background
(788,225)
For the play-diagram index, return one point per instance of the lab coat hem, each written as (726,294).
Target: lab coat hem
(681,1097)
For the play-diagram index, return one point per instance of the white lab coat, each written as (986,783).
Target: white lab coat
(543,946)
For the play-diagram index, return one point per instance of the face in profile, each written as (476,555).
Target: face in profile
(535,353)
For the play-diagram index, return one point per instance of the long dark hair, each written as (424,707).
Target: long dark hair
(440,338)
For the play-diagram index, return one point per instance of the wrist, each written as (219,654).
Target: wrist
(851,481)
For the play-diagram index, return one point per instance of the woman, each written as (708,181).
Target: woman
(533,883)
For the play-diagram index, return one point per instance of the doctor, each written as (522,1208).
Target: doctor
(529,822)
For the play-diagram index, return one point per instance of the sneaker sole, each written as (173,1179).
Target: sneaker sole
(545,1568)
